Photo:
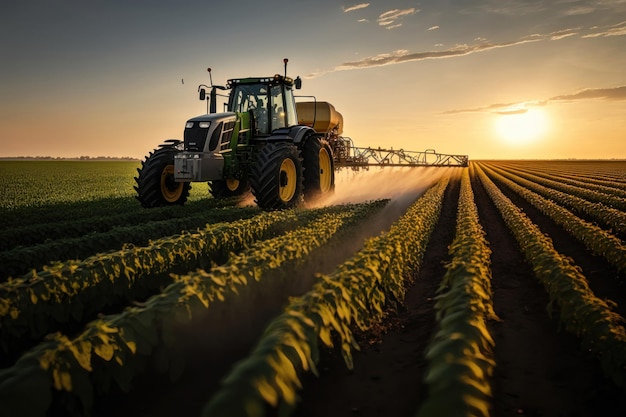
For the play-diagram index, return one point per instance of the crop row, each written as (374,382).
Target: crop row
(43,301)
(581,183)
(73,224)
(599,241)
(609,170)
(609,217)
(610,185)
(112,349)
(582,313)
(52,213)
(582,191)
(460,356)
(20,260)
(39,302)
(353,295)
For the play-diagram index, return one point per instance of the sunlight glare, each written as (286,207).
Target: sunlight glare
(520,128)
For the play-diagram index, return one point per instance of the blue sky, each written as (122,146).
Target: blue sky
(109,78)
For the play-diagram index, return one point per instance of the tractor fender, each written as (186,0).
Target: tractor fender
(171,144)
(295,134)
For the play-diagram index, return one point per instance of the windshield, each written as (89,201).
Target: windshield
(251,97)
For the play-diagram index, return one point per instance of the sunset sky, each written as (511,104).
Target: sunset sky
(486,78)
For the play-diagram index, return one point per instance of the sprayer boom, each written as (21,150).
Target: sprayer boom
(347,155)
(363,157)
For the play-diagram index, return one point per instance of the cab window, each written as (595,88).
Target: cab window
(277,109)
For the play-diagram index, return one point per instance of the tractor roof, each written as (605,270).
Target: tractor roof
(275,80)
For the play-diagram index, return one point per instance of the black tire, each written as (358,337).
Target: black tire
(229,188)
(319,169)
(276,178)
(155,183)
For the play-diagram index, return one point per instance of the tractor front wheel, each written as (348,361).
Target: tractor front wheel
(229,188)
(277,177)
(155,181)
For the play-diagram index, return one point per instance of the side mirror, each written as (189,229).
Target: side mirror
(202,94)
(298,82)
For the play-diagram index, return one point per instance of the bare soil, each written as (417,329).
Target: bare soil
(541,370)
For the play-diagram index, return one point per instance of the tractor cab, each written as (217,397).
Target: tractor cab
(270,101)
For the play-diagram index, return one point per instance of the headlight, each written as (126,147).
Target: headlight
(188,125)
(204,125)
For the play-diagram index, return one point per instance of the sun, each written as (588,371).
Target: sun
(522,127)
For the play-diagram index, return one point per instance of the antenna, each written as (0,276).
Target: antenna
(210,77)
(285,60)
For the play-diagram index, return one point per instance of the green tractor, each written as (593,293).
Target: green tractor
(256,145)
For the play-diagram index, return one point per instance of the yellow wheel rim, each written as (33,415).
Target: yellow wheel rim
(170,189)
(326,171)
(287,180)
(232,184)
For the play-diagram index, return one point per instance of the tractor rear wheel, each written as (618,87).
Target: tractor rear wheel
(319,170)
(155,183)
(229,188)
(277,177)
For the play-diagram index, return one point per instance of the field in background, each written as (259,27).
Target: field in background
(40,183)
(106,298)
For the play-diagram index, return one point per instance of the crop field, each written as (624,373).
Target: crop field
(492,290)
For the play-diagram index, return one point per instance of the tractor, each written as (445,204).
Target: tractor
(283,152)
(256,145)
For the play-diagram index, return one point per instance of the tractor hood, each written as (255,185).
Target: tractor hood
(202,133)
(211,117)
